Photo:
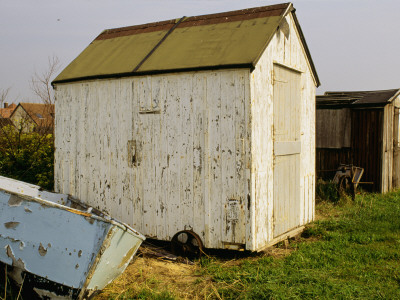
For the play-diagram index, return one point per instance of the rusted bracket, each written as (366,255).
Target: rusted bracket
(158,44)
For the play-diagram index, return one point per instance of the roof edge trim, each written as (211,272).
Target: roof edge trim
(121,31)
(288,9)
(394,96)
(157,72)
(30,116)
(352,106)
(303,40)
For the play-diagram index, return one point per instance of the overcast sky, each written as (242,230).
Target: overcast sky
(355,44)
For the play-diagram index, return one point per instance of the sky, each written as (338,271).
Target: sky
(355,44)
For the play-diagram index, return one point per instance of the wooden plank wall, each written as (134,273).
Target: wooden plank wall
(285,48)
(328,160)
(396,143)
(366,144)
(387,149)
(187,136)
(365,150)
(203,154)
(334,128)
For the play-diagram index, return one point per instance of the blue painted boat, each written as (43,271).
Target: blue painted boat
(59,246)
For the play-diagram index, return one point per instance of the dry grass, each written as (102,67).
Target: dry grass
(350,252)
(153,274)
(182,280)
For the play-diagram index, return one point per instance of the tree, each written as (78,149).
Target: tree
(4,95)
(41,82)
(25,154)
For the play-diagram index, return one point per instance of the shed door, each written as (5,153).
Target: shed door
(287,149)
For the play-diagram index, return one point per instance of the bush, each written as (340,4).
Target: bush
(326,190)
(27,156)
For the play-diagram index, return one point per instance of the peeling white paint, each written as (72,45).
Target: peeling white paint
(167,152)
(41,234)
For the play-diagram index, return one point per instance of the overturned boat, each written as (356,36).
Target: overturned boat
(59,246)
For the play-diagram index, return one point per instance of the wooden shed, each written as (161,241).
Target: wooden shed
(205,124)
(360,128)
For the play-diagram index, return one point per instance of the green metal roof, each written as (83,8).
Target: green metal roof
(232,39)
(230,43)
(111,56)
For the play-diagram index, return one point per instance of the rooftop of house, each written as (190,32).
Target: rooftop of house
(7,110)
(41,114)
(223,40)
(356,98)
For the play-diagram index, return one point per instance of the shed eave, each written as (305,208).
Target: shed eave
(287,11)
(308,54)
(352,106)
(154,72)
(394,96)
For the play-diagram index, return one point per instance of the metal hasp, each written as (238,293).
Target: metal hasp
(61,247)
(347,178)
(187,243)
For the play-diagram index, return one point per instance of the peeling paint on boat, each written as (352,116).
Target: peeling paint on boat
(68,246)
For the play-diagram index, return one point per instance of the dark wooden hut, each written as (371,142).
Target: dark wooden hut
(360,128)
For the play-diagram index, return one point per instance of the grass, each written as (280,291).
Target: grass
(354,253)
(326,191)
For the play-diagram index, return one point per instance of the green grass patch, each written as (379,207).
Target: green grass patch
(352,253)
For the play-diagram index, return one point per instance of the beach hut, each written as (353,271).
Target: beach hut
(360,128)
(199,129)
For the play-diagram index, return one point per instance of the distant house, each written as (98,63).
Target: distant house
(34,117)
(360,128)
(5,114)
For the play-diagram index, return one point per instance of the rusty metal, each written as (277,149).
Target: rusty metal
(187,243)
(211,19)
(347,178)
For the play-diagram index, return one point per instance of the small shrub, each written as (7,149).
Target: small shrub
(326,191)
(27,156)
(313,231)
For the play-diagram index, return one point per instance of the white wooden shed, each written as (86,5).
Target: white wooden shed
(202,123)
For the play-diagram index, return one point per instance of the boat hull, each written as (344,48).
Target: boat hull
(59,245)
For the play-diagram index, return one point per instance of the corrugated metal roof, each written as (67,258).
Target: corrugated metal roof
(232,39)
(356,98)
